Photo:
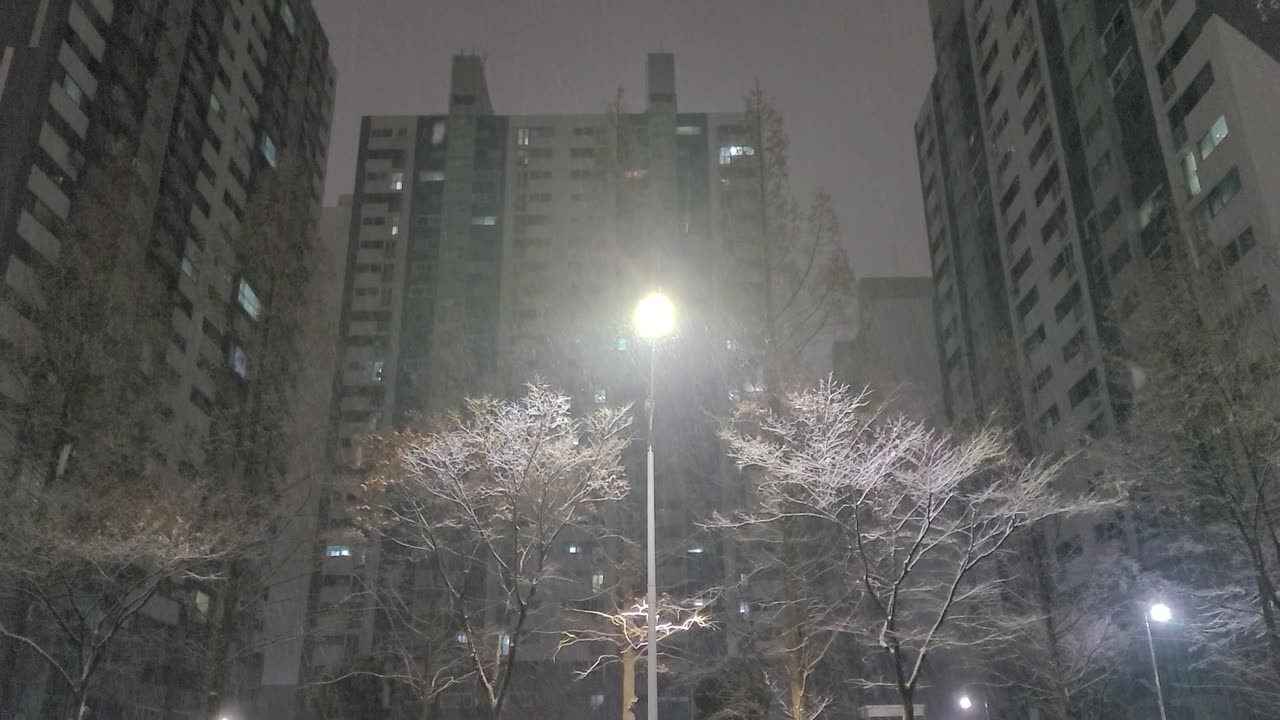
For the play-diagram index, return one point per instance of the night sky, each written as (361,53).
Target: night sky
(849,76)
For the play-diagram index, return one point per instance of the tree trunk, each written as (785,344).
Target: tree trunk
(795,696)
(220,644)
(628,682)
(908,703)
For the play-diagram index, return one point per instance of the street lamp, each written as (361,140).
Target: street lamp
(655,318)
(1161,614)
(966,703)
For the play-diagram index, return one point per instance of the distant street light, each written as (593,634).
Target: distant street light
(966,703)
(1161,613)
(655,318)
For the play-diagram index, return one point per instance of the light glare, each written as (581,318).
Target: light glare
(965,702)
(655,317)
(1161,613)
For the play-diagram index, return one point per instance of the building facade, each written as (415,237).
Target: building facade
(202,101)
(488,249)
(1103,138)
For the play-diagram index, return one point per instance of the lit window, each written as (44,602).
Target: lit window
(238,361)
(597,582)
(461,638)
(622,343)
(573,549)
(437,133)
(378,367)
(1214,137)
(248,299)
(729,152)
(395,228)
(688,130)
(744,607)
(699,602)
(1191,173)
(504,643)
(188,267)
(484,220)
(522,136)
(601,396)
(397,181)
(202,603)
(336,551)
(431,176)
(268,148)
(286,14)
(695,550)
(597,701)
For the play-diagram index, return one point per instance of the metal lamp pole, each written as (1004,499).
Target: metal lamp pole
(1160,613)
(654,319)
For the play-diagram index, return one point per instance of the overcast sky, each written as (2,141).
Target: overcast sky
(849,76)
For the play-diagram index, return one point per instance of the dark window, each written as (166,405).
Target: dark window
(1074,346)
(1068,303)
(1033,341)
(1010,195)
(1028,301)
(1083,388)
(201,401)
(1109,214)
(1191,97)
(1119,258)
(1020,267)
(1043,378)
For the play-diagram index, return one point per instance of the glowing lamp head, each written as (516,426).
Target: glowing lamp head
(655,317)
(965,702)
(1161,613)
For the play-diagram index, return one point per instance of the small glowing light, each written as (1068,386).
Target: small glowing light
(655,317)
(1161,613)
(965,702)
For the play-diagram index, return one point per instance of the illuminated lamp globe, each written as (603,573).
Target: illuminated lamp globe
(655,317)
(1161,613)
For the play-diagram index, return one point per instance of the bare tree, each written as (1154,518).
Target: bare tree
(104,527)
(482,499)
(1200,444)
(923,516)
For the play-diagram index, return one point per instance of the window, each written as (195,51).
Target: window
(201,401)
(729,152)
(286,15)
(484,220)
(1042,379)
(337,551)
(1033,341)
(582,152)
(1010,195)
(601,396)
(1092,126)
(1124,68)
(1020,268)
(1212,139)
(397,180)
(504,643)
(1072,347)
(573,548)
(1119,258)
(1101,169)
(238,361)
(597,701)
(1041,147)
(744,608)
(1189,99)
(1191,173)
(1035,112)
(1028,302)
(268,148)
(1060,263)
(437,132)
(1109,214)
(1049,419)
(597,581)
(696,550)
(248,299)
(1068,303)
(1222,194)
(1015,230)
(1083,388)
(1050,187)
(522,137)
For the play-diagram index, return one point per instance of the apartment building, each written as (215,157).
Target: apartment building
(202,100)
(487,249)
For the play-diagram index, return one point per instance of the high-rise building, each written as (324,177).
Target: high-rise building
(1082,135)
(1100,138)
(487,249)
(895,351)
(202,100)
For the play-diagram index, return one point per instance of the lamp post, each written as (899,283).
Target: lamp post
(655,318)
(966,703)
(1161,614)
